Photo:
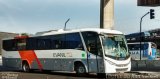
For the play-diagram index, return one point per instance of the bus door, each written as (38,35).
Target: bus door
(94,52)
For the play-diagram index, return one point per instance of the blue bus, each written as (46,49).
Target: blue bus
(148,50)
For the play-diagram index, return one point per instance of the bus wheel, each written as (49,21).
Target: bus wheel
(25,67)
(80,69)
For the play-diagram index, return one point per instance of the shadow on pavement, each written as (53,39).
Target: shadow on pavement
(51,73)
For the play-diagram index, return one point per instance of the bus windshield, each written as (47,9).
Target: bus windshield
(115,46)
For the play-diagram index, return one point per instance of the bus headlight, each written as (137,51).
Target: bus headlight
(118,65)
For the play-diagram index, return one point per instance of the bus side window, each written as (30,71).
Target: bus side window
(80,47)
(92,42)
(99,47)
(10,45)
(92,46)
(57,44)
(40,44)
(73,41)
(53,44)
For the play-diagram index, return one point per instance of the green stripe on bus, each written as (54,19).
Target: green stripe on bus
(83,54)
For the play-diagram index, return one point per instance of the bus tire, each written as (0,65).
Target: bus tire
(80,69)
(25,67)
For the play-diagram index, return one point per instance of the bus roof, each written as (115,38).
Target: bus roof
(98,30)
(61,31)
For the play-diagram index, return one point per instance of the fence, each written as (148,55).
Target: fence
(146,65)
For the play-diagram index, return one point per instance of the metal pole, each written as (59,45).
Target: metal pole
(141,31)
(101,13)
(66,24)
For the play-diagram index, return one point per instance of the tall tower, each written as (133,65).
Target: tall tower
(107,14)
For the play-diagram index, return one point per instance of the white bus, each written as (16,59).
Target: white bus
(82,51)
(148,50)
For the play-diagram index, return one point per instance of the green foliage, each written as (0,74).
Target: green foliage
(24,34)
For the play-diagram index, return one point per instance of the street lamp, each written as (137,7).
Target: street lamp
(151,17)
(141,31)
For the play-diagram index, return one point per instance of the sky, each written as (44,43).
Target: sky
(128,15)
(31,16)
